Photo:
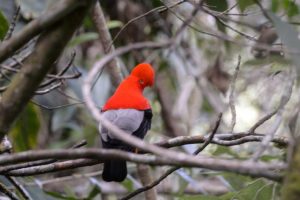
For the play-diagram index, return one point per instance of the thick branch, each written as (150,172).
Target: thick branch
(48,48)
(8,47)
(255,169)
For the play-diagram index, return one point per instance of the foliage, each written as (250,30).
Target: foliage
(3,25)
(24,134)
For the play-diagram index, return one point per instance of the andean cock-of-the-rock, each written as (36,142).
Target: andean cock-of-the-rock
(130,111)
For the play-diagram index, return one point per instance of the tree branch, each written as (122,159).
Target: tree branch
(105,38)
(254,169)
(48,48)
(8,47)
(8,193)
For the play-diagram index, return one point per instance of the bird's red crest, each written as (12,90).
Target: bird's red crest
(129,94)
(145,73)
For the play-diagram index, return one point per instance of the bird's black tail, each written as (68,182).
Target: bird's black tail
(114,170)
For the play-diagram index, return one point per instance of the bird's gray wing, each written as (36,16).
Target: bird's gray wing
(128,120)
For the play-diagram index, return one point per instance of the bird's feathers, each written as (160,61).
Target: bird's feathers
(129,120)
(133,122)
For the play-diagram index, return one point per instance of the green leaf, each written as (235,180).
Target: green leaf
(114,24)
(4,25)
(275,60)
(275,5)
(291,8)
(183,184)
(243,4)
(222,150)
(217,5)
(128,184)
(60,196)
(269,158)
(288,36)
(85,37)
(258,189)
(93,193)
(25,131)
(237,182)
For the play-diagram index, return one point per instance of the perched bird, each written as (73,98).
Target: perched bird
(129,110)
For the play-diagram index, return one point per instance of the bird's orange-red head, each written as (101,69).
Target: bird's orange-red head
(129,94)
(145,73)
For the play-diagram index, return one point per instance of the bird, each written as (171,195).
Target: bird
(129,110)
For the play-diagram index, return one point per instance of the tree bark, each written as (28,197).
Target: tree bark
(49,47)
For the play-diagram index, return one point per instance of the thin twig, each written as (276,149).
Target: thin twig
(19,187)
(263,10)
(8,193)
(235,30)
(53,167)
(56,107)
(62,72)
(49,89)
(5,169)
(232,95)
(283,101)
(220,139)
(262,121)
(13,24)
(158,9)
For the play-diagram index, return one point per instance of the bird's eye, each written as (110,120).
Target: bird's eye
(141,82)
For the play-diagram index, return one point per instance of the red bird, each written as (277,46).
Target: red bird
(129,110)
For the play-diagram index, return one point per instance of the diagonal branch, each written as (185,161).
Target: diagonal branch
(8,47)
(8,193)
(48,48)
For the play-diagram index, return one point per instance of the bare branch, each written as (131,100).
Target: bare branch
(62,72)
(8,193)
(19,187)
(105,38)
(49,46)
(53,167)
(283,101)
(157,9)
(232,95)
(56,107)
(13,24)
(5,169)
(255,169)
(261,121)
(37,26)
(220,139)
